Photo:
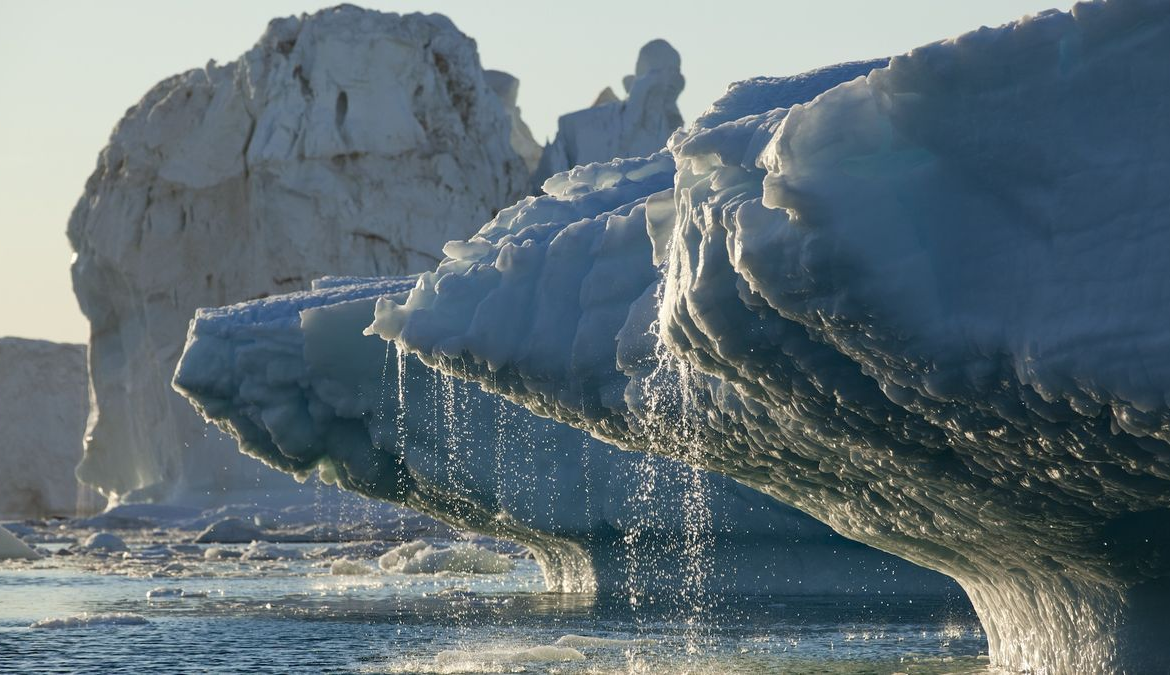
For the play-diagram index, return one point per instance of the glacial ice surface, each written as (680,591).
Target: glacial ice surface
(923,307)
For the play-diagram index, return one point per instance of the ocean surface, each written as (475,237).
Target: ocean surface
(165,606)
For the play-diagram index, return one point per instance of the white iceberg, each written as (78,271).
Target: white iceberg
(924,307)
(344,142)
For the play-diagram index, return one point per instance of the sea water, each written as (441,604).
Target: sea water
(167,605)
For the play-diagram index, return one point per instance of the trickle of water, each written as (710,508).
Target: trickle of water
(672,418)
(400,428)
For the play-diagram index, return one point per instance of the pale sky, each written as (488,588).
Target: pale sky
(69,70)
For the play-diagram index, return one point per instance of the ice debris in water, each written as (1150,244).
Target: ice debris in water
(12,548)
(345,567)
(579,641)
(418,557)
(541,654)
(230,531)
(88,620)
(104,541)
(261,551)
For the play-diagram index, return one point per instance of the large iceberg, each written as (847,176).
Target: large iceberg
(345,142)
(43,407)
(296,381)
(922,307)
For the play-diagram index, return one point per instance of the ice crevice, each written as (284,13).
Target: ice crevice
(923,308)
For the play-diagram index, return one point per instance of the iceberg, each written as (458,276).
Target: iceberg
(300,386)
(921,307)
(632,127)
(43,408)
(344,142)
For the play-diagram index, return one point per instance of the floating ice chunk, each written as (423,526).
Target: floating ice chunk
(422,558)
(230,531)
(220,553)
(392,560)
(577,641)
(88,620)
(542,654)
(459,559)
(104,541)
(346,567)
(261,551)
(12,548)
(164,592)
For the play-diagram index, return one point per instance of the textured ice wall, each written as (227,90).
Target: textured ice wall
(924,308)
(345,142)
(632,127)
(295,379)
(43,405)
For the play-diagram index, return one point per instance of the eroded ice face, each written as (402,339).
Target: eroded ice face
(922,308)
(296,381)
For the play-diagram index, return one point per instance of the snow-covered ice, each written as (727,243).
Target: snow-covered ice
(923,307)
